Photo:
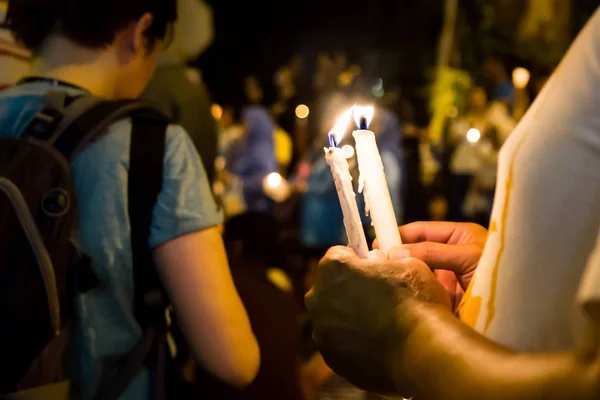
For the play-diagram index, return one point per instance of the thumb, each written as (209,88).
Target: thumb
(460,259)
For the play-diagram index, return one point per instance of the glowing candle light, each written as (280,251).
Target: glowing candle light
(276,187)
(473,135)
(340,170)
(521,77)
(373,183)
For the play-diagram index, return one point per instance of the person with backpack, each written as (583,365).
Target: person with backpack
(91,178)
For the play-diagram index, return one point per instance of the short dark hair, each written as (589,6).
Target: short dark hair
(89,23)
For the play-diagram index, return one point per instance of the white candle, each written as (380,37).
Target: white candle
(343,184)
(373,184)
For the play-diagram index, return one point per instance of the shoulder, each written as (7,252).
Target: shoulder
(178,143)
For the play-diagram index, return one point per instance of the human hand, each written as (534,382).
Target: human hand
(449,246)
(362,309)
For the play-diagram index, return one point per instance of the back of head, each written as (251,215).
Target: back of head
(88,23)
(494,68)
(192,33)
(259,125)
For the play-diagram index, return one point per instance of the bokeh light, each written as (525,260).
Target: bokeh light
(521,77)
(274,180)
(216,111)
(473,135)
(220,163)
(302,111)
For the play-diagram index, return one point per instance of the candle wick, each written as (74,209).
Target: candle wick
(363,124)
(332,142)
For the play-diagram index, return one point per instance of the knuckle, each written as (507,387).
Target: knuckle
(426,251)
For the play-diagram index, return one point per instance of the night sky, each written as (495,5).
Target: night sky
(393,39)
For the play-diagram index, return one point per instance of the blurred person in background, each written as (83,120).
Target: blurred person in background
(227,187)
(389,142)
(326,99)
(464,160)
(476,138)
(386,126)
(284,114)
(301,77)
(253,91)
(250,164)
(502,87)
(231,130)
(415,208)
(15,60)
(178,90)
(284,108)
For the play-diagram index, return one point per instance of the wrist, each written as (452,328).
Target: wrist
(410,316)
(408,342)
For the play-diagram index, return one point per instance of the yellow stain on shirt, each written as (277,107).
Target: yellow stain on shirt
(470,307)
(491,306)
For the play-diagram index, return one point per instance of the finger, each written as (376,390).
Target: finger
(448,281)
(399,253)
(457,258)
(339,253)
(416,232)
(377,255)
(336,261)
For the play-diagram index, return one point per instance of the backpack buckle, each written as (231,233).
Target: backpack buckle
(41,126)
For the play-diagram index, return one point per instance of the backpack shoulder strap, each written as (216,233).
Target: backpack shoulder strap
(71,123)
(94,122)
(146,159)
(144,185)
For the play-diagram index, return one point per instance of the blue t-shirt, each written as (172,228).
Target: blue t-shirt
(505,91)
(107,329)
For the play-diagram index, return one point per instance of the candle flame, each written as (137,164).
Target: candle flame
(336,134)
(274,180)
(363,113)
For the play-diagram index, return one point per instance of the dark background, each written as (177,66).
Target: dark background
(393,39)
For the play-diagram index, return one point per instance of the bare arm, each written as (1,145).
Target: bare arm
(387,326)
(444,359)
(195,273)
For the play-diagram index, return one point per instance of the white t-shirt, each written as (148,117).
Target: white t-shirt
(546,214)
(589,290)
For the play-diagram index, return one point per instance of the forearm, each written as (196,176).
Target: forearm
(195,273)
(444,359)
